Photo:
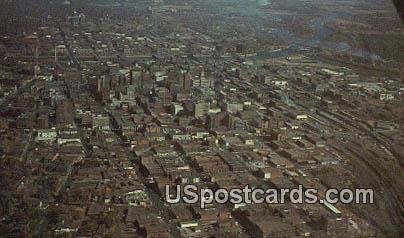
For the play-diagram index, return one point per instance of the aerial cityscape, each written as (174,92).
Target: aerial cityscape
(109,109)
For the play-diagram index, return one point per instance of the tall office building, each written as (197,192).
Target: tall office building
(64,113)
(204,81)
(201,109)
(186,82)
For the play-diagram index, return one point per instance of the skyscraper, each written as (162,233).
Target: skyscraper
(64,113)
